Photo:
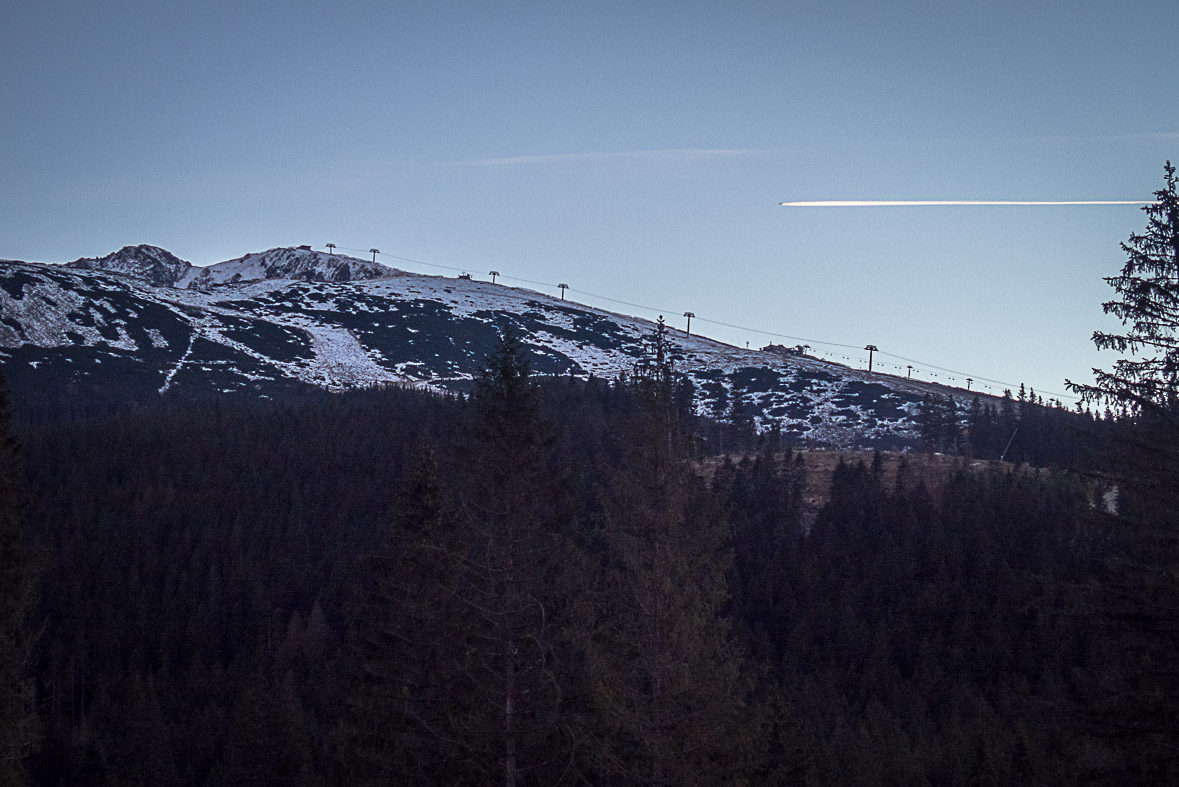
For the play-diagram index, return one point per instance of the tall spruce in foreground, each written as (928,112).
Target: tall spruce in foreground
(407,642)
(513,579)
(670,700)
(1146,378)
(1144,382)
(18,721)
(1132,694)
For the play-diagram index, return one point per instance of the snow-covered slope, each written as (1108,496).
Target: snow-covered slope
(283,263)
(161,268)
(291,317)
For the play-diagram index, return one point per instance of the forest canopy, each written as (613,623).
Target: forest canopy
(558,581)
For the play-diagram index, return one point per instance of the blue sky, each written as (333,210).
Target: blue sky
(633,150)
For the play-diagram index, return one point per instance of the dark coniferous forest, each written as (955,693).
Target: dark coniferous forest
(550,581)
(555,581)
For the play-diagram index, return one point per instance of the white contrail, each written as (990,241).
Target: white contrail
(868,203)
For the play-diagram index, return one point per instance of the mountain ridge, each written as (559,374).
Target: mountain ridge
(286,317)
(151,263)
(161,268)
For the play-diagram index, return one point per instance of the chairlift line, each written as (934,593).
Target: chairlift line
(929,366)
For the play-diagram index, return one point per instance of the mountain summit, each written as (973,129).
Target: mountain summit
(299,263)
(154,265)
(141,323)
(161,268)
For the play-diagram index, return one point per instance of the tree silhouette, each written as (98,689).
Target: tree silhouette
(513,577)
(408,644)
(1147,303)
(670,702)
(1131,702)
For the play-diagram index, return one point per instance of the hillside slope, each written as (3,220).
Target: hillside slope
(285,318)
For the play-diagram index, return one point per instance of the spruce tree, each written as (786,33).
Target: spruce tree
(1146,378)
(513,578)
(671,705)
(937,419)
(408,646)
(1132,696)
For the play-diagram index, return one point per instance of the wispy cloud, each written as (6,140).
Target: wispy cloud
(871,203)
(668,154)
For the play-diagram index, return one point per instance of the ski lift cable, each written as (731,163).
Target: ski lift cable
(973,376)
(452,268)
(624,303)
(927,366)
(421,262)
(777,335)
(530,281)
(616,300)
